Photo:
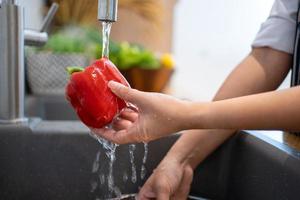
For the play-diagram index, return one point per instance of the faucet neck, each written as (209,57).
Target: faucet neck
(107,10)
(11,63)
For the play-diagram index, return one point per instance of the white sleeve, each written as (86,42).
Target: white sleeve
(278,31)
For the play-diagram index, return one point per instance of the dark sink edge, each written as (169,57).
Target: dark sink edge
(247,166)
(53,160)
(280,145)
(263,169)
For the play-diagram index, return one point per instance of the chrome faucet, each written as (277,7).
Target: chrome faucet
(39,38)
(107,10)
(12,39)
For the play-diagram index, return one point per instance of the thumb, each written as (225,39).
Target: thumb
(125,93)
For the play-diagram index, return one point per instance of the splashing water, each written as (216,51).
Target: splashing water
(110,148)
(133,168)
(106,27)
(143,169)
(94,185)
(125,177)
(102,179)
(110,152)
(96,162)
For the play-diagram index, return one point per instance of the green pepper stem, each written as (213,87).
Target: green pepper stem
(74,69)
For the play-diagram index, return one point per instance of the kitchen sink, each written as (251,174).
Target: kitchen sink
(57,160)
(53,156)
(52,107)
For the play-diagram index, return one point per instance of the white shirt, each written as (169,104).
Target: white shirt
(278,31)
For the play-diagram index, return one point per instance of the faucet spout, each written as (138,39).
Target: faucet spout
(11,63)
(107,10)
(12,37)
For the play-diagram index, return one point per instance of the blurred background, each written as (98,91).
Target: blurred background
(181,47)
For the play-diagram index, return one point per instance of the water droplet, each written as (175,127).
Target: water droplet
(133,168)
(143,169)
(125,177)
(102,179)
(143,172)
(94,185)
(96,162)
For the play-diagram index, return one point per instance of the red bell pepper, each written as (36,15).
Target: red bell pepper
(89,94)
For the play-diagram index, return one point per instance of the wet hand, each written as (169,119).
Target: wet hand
(171,180)
(157,116)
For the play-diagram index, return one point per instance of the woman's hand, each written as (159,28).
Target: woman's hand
(158,115)
(170,180)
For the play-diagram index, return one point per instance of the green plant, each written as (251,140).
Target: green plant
(131,55)
(58,43)
(75,40)
(88,41)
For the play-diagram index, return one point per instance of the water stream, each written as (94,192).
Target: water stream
(106,27)
(143,169)
(110,152)
(133,168)
(110,148)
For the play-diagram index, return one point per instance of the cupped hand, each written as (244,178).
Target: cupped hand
(170,180)
(158,115)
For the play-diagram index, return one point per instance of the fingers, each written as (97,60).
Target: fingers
(120,124)
(152,190)
(185,184)
(102,132)
(162,189)
(146,191)
(124,92)
(129,115)
(117,137)
(162,193)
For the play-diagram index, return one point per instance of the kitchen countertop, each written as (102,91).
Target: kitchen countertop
(285,141)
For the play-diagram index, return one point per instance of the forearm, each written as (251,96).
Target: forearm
(271,110)
(254,75)
(195,145)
